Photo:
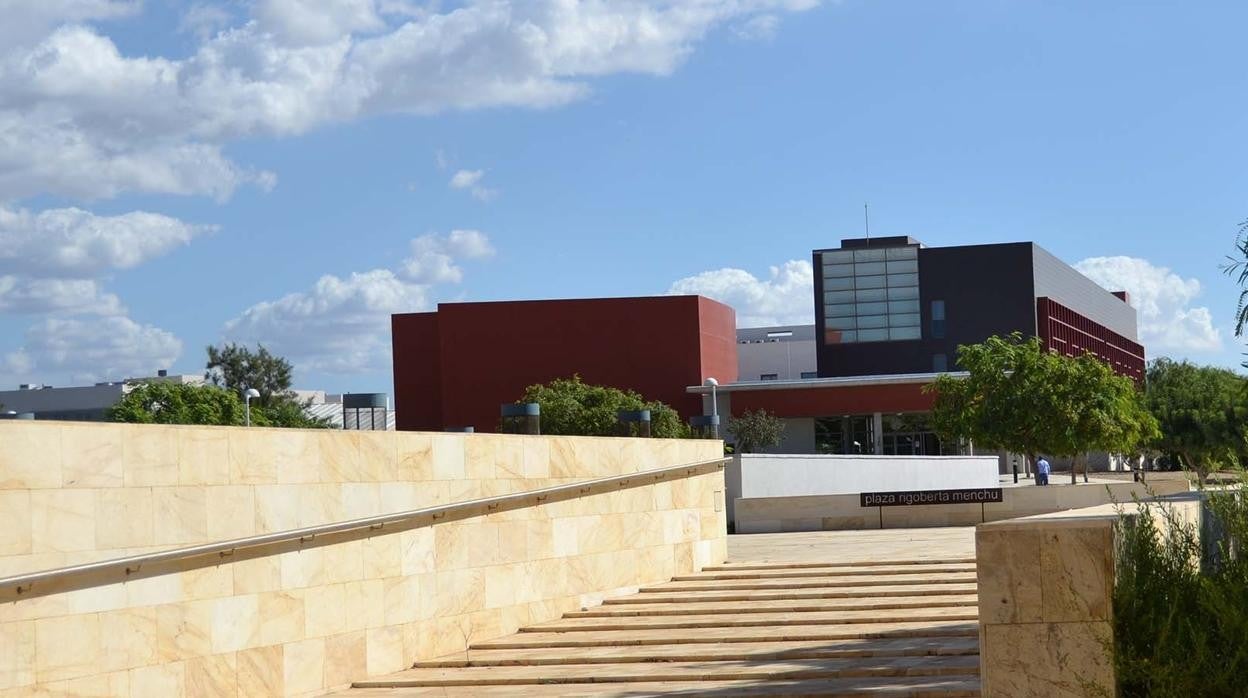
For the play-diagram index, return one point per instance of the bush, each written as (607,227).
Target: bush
(755,430)
(573,407)
(1181,604)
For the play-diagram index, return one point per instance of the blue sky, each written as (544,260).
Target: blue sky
(288,171)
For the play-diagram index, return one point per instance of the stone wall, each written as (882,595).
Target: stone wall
(303,621)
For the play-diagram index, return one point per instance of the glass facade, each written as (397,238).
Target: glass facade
(871,295)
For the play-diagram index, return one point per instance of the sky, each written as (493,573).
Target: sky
(292,172)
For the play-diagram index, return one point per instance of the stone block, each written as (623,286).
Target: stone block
(235,623)
(340,459)
(346,658)
(1076,569)
(124,518)
(15,519)
(261,671)
(418,547)
(31,457)
(184,630)
(303,666)
(149,456)
(281,617)
(203,456)
(212,676)
(231,511)
(1047,660)
(448,456)
(62,520)
(384,651)
(1009,575)
(181,515)
(91,456)
(277,508)
(361,500)
(414,456)
(128,638)
(159,680)
(17,654)
(67,647)
(325,610)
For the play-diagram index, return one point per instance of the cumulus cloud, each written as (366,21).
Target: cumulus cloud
(71,242)
(78,118)
(785,297)
(20,296)
(342,325)
(93,349)
(471,181)
(1168,317)
(758,28)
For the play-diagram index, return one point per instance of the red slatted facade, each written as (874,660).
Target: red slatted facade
(1071,334)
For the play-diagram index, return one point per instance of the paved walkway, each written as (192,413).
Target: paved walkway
(837,613)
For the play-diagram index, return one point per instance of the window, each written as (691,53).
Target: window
(940,363)
(809,374)
(938,319)
(768,376)
(871,295)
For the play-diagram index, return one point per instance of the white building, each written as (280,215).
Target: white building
(776,353)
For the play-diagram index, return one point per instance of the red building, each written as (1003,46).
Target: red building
(455,366)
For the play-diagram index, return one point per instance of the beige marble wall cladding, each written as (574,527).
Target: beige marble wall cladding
(301,622)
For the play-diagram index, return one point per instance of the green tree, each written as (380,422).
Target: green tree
(1021,398)
(1202,412)
(161,402)
(754,430)
(236,368)
(571,406)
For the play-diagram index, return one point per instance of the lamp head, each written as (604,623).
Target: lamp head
(711,382)
(251,393)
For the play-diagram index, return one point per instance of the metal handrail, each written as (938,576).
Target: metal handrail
(123,569)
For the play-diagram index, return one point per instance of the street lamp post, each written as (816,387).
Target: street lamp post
(714,406)
(247,397)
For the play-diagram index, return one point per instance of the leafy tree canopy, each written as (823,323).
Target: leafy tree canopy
(236,368)
(756,430)
(1024,399)
(178,403)
(1202,412)
(571,406)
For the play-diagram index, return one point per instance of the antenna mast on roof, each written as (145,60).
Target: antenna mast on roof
(866,219)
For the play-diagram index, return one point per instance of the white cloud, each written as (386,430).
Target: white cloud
(33,296)
(433,259)
(73,243)
(204,20)
(93,349)
(1168,319)
(27,19)
(758,28)
(471,180)
(342,325)
(785,297)
(79,119)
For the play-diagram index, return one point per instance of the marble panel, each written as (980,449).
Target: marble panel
(459,545)
(128,638)
(91,456)
(536,455)
(401,599)
(281,617)
(303,568)
(107,685)
(203,456)
(164,680)
(303,666)
(17,654)
(481,453)
(414,455)
(124,518)
(365,604)
(448,456)
(346,658)
(1046,660)
(212,676)
(257,575)
(31,457)
(154,591)
(62,520)
(231,511)
(344,562)
(235,623)
(296,453)
(379,456)
(361,500)
(1076,569)
(459,592)
(418,547)
(181,515)
(149,456)
(184,630)
(384,651)
(1009,575)
(513,542)
(382,556)
(325,610)
(340,459)
(15,519)
(67,647)
(261,671)
(277,508)
(320,504)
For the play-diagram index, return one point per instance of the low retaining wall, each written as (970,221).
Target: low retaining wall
(838,512)
(299,622)
(1046,602)
(764,476)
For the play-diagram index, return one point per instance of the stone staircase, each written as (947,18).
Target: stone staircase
(900,628)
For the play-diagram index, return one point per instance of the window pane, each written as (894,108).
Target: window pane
(869,282)
(838,284)
(903,280)
(840,337)
(868,268)
(872,308)
(903,253)
(809,374)
(906,293)
(837,256)
(869,255)
(940,363)
(901,266)
(837,270)
(938,310)
(838,310)
(872,335)
(870,295)
(911,320)
(903,306)
(904,333)
(868,321)
(839,323)
(838,296)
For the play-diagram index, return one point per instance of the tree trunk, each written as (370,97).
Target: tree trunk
(1085,468)
(1191,465)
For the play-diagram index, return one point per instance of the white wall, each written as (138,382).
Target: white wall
(783,475)
(788,359)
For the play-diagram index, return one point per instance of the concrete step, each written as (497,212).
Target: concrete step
(736,652)
(830,571)
(888,687)
(738,566)
(687,595)
(695,607)
(767,670)
(781,633)
(753,620)
(813,582)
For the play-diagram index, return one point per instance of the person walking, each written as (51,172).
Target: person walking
(1042,471)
